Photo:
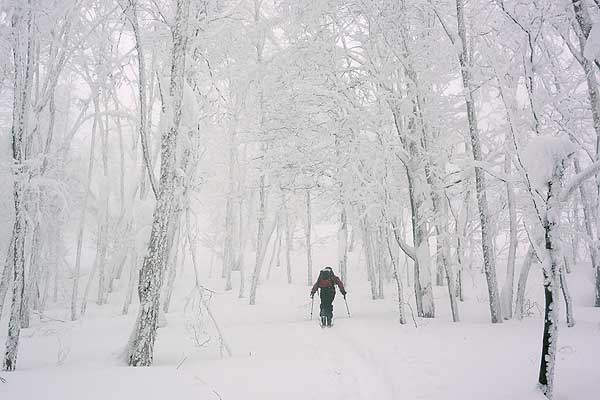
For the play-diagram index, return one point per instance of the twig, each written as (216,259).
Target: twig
(534,249)
(181,362)
(412,314)
(221,338)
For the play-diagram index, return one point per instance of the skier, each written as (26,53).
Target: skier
(326,282)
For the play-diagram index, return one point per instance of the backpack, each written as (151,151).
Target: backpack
(326,279)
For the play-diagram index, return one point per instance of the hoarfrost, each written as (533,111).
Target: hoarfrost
(591,50)
(543,155)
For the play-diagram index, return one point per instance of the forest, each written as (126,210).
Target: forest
(176,165)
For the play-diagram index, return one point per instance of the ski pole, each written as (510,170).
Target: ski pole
(312,302)
(347,309)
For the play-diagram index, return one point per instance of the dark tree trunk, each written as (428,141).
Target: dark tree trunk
(22,52)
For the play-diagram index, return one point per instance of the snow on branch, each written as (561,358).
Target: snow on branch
(579,179)
(591,50)
(543,155)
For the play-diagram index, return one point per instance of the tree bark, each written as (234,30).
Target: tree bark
(551,271)
(228,244)
(172,271)
(508,288)
(401,316)
(480,185)
(133,18)
(7,273)
(379,250)
(77,270)
(243,243)
(422,262)
(141,349)
(585,24)
(259,240)
(288,245)
(366,241)
(522,285)
(343,245)
(133,269)
(22,53)
(307,231)
(568,299)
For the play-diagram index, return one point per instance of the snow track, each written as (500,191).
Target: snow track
(279,354)
(355,375)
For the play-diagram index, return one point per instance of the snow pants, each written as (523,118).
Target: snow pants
(327,295)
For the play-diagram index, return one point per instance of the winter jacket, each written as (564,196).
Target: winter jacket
(328,283)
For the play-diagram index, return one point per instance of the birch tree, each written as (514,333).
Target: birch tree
(141,347)
(22,24)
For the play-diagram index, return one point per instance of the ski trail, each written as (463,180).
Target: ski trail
(393,372)
(356,376)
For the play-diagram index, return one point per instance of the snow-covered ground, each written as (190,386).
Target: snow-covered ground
(279,353)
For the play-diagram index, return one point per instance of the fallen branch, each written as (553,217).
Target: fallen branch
(44,316)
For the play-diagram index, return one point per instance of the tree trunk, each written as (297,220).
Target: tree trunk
(34,259)
(288,245)
(243,244)
(352,239)
(7,273)
(508,288)
(33,272)
(308,231)
(439,267)
(443,245)
(228,244)
(141,348)
(86,196)
(461,228)
(14,325)
(522,285)
(172,272)
(585,24)
(568,299)
(46,279)
(574,222)
(132,14)
(104,219)
(551,273)
(101,254)
(343,245)
(591,239)
(449,277)
(92,275)
(380,263)
(276,250)
(22,26)
(486,240)
(401,316)
(131,283)
(366,241)
(422,262)
(259,240)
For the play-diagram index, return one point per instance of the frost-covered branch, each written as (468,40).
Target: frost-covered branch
(578,180)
